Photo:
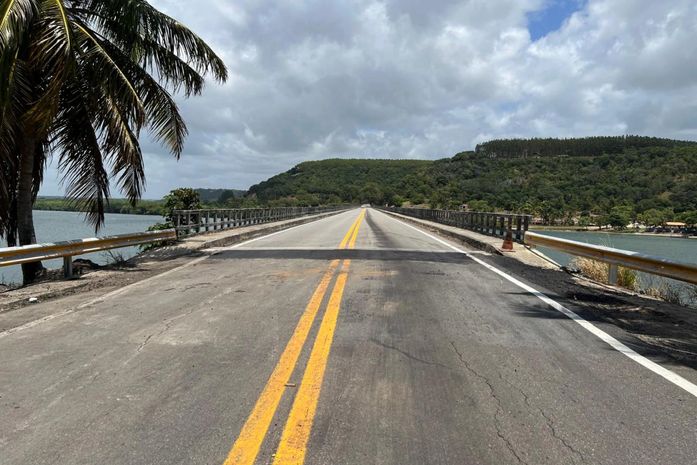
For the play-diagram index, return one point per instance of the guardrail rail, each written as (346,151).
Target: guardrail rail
(187,222)
(491,224)
(68,249)
(685,272)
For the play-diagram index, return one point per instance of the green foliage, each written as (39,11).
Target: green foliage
(689,217)
(157,227)
(655,216)
(371,193)
(619,217)
(183,198)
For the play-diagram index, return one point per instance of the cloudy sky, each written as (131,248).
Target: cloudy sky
(314,79)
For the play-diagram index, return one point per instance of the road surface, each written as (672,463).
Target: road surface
(356,339)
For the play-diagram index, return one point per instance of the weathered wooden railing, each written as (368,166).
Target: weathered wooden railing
(187,222)
(491,224)
(686,272)
(68,249)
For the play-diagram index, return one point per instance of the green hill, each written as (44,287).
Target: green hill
(553,178)
(339,181)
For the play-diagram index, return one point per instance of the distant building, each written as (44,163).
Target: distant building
(675,224)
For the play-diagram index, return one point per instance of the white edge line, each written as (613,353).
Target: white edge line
(128,287)
(599,333)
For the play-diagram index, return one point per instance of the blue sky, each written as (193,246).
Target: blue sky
(551,17)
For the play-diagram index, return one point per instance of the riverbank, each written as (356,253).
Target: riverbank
(115,206)
(608,231)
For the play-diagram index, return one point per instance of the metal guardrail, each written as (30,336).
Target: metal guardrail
(491,224)
(685,272)
(187,222)
(68,249)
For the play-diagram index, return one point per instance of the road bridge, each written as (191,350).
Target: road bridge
(354,339)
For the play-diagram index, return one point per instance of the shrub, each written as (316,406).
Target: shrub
(598,271)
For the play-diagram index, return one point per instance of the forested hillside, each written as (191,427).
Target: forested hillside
(633,176)
(340,180)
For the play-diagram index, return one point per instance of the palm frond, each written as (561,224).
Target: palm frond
(175,73)
(15,19)
(81,164)
(145,31)
(83,78)
(162,115)
(120,146)
(50,56)
(95,55)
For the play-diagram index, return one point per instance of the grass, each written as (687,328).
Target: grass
(116,259)
(674,293)
(669,291)
(599,271)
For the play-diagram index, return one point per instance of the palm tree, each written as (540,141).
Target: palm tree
(79,79)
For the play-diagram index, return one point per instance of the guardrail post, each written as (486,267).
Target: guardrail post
(68,267)
(518,228)
(612,274)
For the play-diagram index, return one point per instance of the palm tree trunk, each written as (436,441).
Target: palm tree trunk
(25,204)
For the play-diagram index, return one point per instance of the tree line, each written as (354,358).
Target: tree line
(585,146)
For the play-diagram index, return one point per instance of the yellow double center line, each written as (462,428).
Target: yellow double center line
(296,433)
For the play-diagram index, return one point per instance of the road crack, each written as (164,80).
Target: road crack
(144,343)
(499,406)
(555,434)
(548,420)
(407,354)
(170,321)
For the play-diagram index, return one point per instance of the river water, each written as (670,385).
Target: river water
(674,248)
(52,226)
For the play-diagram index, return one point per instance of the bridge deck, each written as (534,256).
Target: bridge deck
(356,339)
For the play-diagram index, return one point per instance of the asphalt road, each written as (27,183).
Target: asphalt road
(355,339)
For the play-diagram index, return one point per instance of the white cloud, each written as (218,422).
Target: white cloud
(313,79)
